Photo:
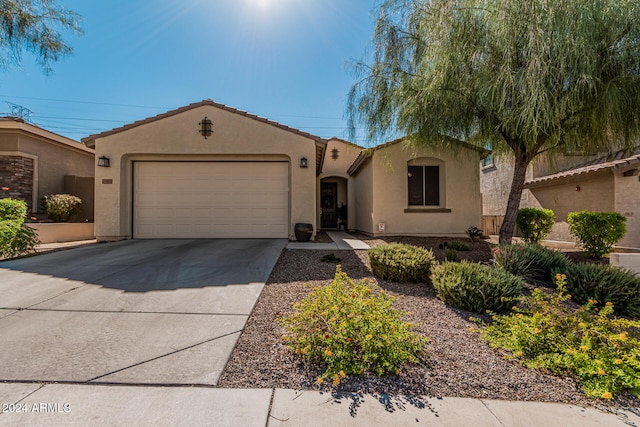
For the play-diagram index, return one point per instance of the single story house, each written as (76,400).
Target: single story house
(35,163)
(207,170)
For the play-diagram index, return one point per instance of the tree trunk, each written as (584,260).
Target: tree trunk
(515,194)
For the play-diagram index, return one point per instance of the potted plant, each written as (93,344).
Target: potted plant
(342,216)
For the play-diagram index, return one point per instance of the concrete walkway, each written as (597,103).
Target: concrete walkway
(341,241)
(119,405)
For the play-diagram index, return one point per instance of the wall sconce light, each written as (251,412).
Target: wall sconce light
(205,127)
(303,162)
(334,153)
(578,188)
(103,161)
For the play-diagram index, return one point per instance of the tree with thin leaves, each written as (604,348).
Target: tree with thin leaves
(35,26)
(530,77)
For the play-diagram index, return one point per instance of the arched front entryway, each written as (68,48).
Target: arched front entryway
(333,203)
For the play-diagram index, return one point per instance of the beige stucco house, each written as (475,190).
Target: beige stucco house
(209,171)
(569,183)
(35,162)
(401,190)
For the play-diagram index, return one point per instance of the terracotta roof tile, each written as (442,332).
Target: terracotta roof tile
(617,160)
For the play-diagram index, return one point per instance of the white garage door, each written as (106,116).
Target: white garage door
(210,200)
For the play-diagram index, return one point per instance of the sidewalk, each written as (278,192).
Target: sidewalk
(97,405)
(341,241)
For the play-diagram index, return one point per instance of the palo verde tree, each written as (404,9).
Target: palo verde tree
(35,26)
(530,77)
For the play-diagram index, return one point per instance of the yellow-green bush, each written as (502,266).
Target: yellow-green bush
(597,232)
(351,328)
(602,351)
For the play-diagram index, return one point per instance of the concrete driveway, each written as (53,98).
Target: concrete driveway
(131,312)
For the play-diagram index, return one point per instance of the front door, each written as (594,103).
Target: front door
(329,201)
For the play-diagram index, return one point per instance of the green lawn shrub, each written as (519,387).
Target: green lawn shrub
(16,238)
(600,350)
(351,328)
(61,207)
(535,224)
(600,284)
(530,261)
(399,262)
(476,287)
(597,232)
(458,246)
(450,254)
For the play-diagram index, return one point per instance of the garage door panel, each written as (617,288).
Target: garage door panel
(211,199)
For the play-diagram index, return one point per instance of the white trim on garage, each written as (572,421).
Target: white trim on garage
(210,199)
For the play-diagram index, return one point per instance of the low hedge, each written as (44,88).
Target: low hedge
(398,262)
(476,287)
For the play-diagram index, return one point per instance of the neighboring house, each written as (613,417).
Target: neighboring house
(35,163)
(210,171)
(601,183)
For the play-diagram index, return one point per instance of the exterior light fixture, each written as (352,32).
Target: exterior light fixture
(303,162)
(578,188)
(104,161)
(334,153)
(205,127)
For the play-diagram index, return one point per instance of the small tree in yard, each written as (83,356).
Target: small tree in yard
(528,76)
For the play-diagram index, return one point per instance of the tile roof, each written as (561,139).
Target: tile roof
(90,140)
(617,160)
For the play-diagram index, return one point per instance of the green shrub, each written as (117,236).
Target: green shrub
(450,254)
(61,207)
(476,287)
(458,246)
(474,233)
(597,232)
(530,261)
(15,237)
(398,262)
(351,328)
(599,349)
(535,224)
(332,258)
(601,283)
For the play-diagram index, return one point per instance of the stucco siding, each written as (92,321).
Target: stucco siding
(363,198)
(595,194)
(627,202)
(176,138)
(386,174)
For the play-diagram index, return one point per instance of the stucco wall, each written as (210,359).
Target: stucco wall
(363,195)
(495,184)
(596,194)
(461,204)
(176,137)
(627,202)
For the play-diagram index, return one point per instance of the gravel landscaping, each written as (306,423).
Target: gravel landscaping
(458,364)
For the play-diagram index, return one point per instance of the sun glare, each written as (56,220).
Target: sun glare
(263,4)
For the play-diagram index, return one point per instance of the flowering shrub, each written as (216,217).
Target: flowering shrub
(398,262)
(476,287)
(15,237)
(530,261)
(351,328)
(535,224)
(61,207)
(602,351)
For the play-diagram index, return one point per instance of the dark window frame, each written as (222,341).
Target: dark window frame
(423,185)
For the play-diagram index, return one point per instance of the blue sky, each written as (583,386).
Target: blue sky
(281,59)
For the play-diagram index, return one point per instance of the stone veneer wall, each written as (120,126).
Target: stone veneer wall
(16,173)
